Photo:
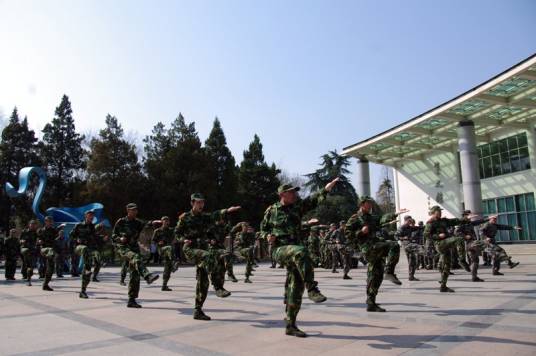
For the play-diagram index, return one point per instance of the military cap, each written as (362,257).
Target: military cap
(165,218)
(434,209)
(364,199)
(407,217)
(90,211)
(48,217)
(132,206)
(33,221)
(286,188)
(197,196)
(466,212)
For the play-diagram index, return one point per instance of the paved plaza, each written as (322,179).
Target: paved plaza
(492,318)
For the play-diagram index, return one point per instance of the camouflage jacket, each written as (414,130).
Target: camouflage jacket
(130,229)
(245,239)
(313,243)
(407,233)
(434,228)
(11,246)
(467,227)
(374,222)
(198,228)
(490,230)
(285,221)
(83,234)
(47,236)
(164,234)
(28,239)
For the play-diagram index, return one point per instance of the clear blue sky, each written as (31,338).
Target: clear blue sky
(306,76)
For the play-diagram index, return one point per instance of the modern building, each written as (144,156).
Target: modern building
(476,151)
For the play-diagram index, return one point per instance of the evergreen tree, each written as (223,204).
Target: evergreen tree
(342,201)
(114,173)
(62,154)
(222,168)
(18,149)
(257,181)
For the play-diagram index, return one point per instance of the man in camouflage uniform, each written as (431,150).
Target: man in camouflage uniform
(200,246)
(28,240)
(164,237)
(85,236)
(331,243)
(438,229)
(126,234)
(11,252)
(474,246)
(345,250)
(325,252)
(498,254)
(100,240)
(363,230)
(46,239)
(282,226)
(406,234)
(244,243)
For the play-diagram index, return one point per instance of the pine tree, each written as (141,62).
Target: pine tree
(18,149)
(222,167)
(62,153)
(341,202)
(257,181)
(114,173)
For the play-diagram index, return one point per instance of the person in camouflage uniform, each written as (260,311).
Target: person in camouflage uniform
(325,252)
(282,226)
(406,234)
(28,240)
(11,252)
(46,239)
(474,246)
(194,230)
(331,243)
(313,244)
(84,235)
(100,240)
(345,250)
(437,229)
(498,254)
(164,237)
(125,235)
(363,230)
(244,243)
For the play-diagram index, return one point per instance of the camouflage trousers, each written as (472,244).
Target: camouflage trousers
(28,262)
(300,275)
(136,268)
(413,251)
(87,259)
(382,256)
(474,250)
(247,254)
(431,256)
(498,255)
(444,247)
(168,258)
(325,256)
(208,263)
(49,257)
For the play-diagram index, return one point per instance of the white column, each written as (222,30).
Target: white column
(363,177)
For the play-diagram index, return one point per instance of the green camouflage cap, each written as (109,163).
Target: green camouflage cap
(132,206)
(286,188)
(434,209)
(197,196)
(165,218)
(364,199)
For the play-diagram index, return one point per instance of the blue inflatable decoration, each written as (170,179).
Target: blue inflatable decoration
(67,216)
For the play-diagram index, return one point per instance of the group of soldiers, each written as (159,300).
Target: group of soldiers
(294,244)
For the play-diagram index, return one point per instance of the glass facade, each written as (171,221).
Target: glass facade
(514,210)
(505,156)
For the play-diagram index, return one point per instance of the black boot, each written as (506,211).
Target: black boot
(292,330)
(199,315)
(132,303)
(83,294)
(151,277)
(165,288)
(373,307)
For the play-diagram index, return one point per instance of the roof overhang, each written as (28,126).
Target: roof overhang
(507,100)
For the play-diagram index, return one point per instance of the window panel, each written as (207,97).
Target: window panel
(514,159)
(494,148)
(492,207)
(501,206)
(529,198)
(485,151)
(520,203)
(496,165)
(510,204)
(512,143)
(531,217)
(524,223)
(487,167)
(524,160)
(522,140)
